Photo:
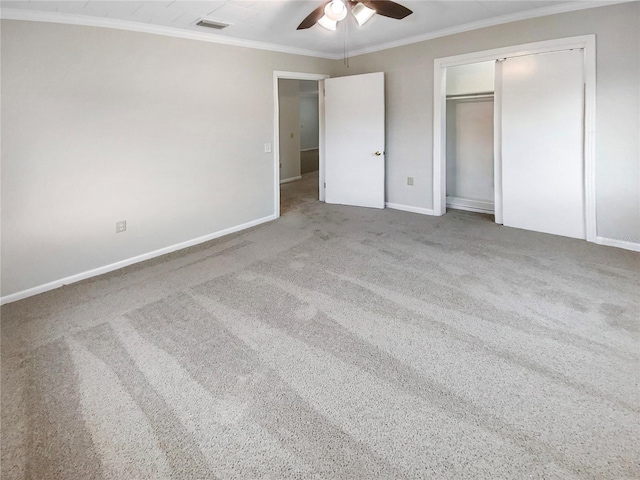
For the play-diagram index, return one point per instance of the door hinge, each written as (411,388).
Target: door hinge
(325,184)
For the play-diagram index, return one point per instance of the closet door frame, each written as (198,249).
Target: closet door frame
(585,42)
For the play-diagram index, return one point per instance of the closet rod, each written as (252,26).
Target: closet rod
(470,95)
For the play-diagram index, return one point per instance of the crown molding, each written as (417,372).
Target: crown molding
(490,22)
(84,20)
(87,21)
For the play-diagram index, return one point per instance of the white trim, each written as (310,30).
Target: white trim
(545,46)
(585,42)
(292,179)
(85,20)
(308,149)
(300,75)
(129,261)
(321,143)
(71,19)
(470,205)
(590,138)
(439,159)
(408,208)
(497,144)
(276,131)
(610,242)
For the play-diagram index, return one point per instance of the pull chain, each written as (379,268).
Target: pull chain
(346,39)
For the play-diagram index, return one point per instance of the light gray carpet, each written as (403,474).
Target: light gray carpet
(299,193)
(336,343)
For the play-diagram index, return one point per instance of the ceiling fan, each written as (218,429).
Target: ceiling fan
(330,13)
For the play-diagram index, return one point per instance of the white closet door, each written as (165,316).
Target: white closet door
(542,99)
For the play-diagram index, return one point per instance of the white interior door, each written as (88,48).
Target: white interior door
(354,140)
(542,101)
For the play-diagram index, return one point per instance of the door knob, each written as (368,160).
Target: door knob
(378,153)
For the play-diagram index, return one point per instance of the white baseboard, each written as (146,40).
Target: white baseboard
(610,242)
(407,208)
(469,205)
(129,261)
(292,179)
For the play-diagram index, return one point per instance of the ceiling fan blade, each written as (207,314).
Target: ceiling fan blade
(387,8)
(312,18)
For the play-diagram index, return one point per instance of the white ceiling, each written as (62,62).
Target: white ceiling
(272,24)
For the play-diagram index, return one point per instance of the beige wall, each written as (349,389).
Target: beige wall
(470,149)
(472,78)
(309,118)
(409,97)
(102,125)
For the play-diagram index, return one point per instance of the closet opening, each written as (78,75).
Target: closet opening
(470,137)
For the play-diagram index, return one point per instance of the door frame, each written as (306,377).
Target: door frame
(585,42)
(320,78)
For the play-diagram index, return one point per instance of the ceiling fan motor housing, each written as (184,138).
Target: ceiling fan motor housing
(336,10)
(330,13)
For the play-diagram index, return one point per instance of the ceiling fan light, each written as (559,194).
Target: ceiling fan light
(327,23)
(362,13)
(335,10)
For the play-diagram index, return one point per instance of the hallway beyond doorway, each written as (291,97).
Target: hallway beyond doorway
(299,193)
(309,161)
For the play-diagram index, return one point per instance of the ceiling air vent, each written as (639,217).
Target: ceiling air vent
(211,24)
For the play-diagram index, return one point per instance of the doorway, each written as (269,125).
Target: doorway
(299,128)
(585,44)
(469,132)
(298,142)
(283,148)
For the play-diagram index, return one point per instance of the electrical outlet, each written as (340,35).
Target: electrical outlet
(267,148)
(410,181)
(121,226)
